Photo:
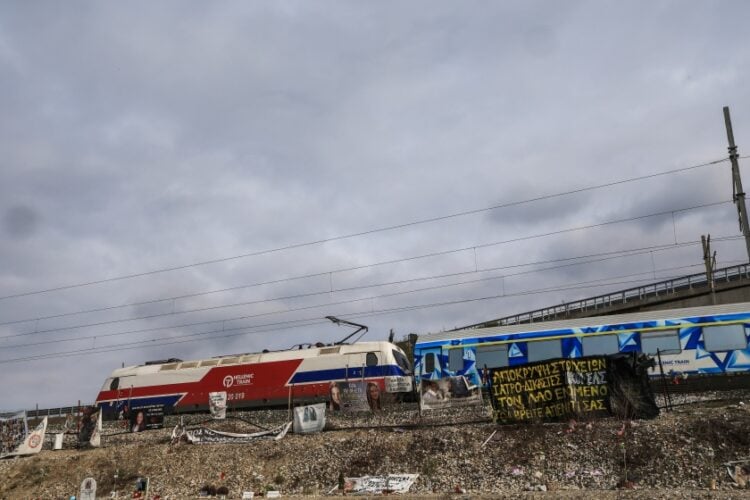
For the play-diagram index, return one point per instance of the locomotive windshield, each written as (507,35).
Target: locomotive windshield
(402,362)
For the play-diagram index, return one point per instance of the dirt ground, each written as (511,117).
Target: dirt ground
(677,455)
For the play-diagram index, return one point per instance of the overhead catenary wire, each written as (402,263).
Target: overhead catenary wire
(137,344)
(481,245)
(389,295)
(365,314)
(140,344)
(649,215)
(307,276)
(366,232)
(604,256)
(283,311)
(304,276)
(362,287)
(301,277)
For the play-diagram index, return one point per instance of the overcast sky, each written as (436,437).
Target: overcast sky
(142,136)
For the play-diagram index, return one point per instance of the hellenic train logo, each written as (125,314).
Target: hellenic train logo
(243,379)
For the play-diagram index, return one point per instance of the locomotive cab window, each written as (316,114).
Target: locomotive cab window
(544,349)
(371,359)
(665,342)
(429,362)
(600,344)
(456,359)
(724,338)
(402,362)
(492,356)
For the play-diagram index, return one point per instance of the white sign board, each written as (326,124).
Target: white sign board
(88,489)
(377,485)
(309,418)
(34,440)
(204,435)
(96,433)
(217,402)
(59,441)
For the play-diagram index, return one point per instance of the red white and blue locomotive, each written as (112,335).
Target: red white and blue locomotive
(255,379)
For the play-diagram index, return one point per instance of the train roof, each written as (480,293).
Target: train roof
(256,357)
(613,319)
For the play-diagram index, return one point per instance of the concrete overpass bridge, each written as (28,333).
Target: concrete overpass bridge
(731,284)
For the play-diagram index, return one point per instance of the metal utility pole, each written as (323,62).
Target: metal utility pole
(710,261)
(737,191)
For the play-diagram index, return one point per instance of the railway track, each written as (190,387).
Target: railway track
(699,384)
(667,385)
(61,411)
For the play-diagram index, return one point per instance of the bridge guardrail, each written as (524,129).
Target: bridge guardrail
(669,286)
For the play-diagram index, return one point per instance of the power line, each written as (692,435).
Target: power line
(330,304)
(277,281)
(291,278)
(139,344)
(94,337)
(482,245)
(606,256)
(364,233)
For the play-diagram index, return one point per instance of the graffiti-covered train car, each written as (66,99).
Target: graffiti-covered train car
(697,340)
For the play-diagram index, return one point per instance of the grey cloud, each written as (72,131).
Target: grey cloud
(143,136)
(21,221)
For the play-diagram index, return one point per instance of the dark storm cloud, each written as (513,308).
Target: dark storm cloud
(20,221)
